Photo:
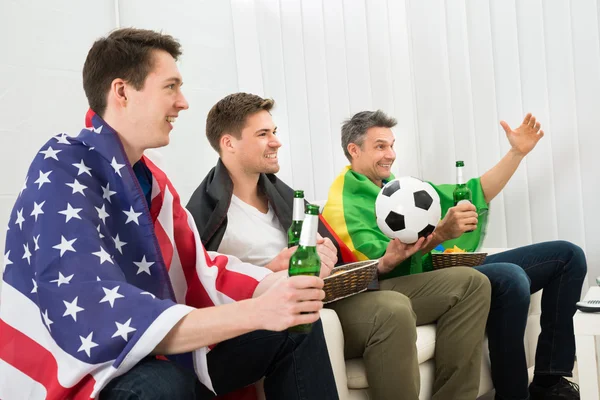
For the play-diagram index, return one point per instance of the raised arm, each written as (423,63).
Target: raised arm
(522,140)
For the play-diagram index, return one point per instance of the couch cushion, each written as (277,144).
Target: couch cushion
(355,368)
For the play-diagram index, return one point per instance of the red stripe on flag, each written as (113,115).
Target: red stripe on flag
(234,284)
(185,242)
(39,364)
(166,247)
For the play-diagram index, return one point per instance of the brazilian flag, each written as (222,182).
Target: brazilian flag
(350,211)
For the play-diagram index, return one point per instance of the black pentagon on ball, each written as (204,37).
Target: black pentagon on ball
(395,221)
(422,200)
(391,188)
(428,230)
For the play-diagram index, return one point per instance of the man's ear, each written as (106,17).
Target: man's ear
(118,90)
(353,150)
(227,143)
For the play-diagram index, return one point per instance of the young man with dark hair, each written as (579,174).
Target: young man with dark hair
(243,208)
(105,269)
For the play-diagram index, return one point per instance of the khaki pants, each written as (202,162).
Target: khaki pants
(380,326)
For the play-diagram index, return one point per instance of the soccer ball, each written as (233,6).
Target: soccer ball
(407,208)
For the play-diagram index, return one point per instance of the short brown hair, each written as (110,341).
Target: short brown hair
(127,54)
(230,113)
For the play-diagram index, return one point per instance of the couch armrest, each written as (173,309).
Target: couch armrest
(334,337)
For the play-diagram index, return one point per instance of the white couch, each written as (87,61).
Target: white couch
(350,375)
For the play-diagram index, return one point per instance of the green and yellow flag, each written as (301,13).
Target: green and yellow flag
(350,211)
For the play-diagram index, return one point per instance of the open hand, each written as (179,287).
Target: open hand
(523,139)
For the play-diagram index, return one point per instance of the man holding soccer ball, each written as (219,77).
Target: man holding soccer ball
(558,267)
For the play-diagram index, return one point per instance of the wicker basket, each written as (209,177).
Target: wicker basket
(349,279)
(445,260)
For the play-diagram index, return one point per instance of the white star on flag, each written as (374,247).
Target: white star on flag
(24,185)
(97,130)
(83,169)
(62,138)
(77,187)
(132,216)
(110,295)
(100,233)
(6,259)
(63,279)
(143,266)
(103,255)
(117,167)
(27,254)
(72,309)
(87,344)
(43,178)
(123,329)
(65,245)
(37,209)
(47,320)
(71,212)
(106,192)
(50,153)
(35,241)
(34,290)
(20,219)
(102,214)
(119,244)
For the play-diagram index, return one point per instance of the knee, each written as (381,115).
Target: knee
(576,261)
(510,281)
(472,281)
(393,309)
(154,379)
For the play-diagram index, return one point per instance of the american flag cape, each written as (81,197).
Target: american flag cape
(94,278)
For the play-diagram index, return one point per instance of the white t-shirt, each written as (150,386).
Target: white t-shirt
(252,236)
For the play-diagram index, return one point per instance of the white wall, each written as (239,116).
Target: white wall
(449,71)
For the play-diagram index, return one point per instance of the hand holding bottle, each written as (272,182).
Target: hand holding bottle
(282,261)
(290,302)
(328,254)
(458,220)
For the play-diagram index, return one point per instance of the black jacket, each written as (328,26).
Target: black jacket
(210,202)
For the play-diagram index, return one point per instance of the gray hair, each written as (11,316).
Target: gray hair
(355,128)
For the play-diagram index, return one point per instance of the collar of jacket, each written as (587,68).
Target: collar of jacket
(210,202)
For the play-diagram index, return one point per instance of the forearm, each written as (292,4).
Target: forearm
(268,281)
(205,326)
(494,180)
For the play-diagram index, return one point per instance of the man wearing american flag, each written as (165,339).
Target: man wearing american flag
(104,269)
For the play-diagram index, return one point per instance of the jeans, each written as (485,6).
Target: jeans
(557,267)
(295,366)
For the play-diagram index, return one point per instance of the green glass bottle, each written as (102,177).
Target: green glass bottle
(305,260)
(297,217)
(461,191)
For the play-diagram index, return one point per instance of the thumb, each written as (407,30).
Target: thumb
(506,127)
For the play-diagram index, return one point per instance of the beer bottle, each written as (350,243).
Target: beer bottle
(297,217)
(461,191)
(305,260)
